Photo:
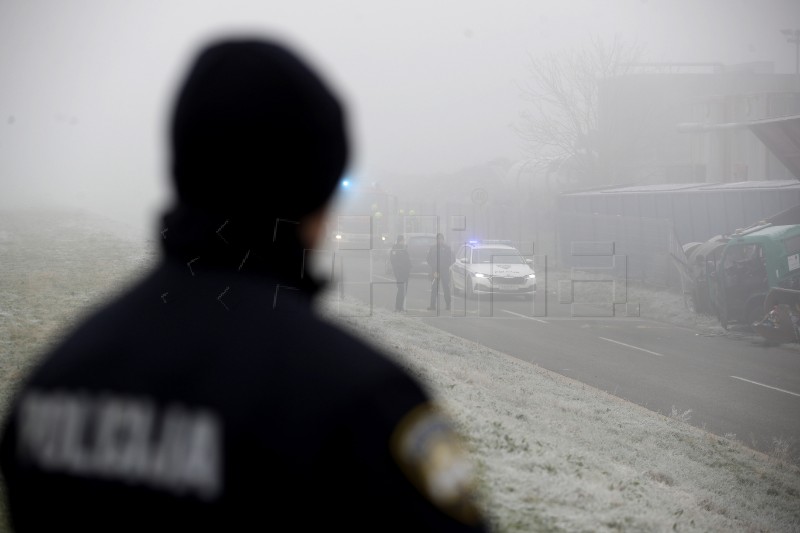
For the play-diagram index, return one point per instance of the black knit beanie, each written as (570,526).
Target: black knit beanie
(256,133)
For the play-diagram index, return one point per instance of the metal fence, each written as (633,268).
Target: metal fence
(647,246)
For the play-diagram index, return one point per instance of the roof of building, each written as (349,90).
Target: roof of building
(780,134)
(689,187)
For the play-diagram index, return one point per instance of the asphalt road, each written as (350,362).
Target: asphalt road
(731,385)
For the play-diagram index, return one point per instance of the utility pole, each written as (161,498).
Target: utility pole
(793,37)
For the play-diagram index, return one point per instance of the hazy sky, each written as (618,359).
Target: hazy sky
(431,85)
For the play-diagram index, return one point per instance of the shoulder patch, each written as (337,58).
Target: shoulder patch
(432,456)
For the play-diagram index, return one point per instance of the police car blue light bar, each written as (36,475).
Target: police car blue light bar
(491,241)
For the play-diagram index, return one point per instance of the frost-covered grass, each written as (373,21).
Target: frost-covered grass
(654,303)
(558,455)
(553,453)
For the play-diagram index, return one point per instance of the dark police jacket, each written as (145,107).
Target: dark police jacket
(211,397)
(401,262)
(439,258)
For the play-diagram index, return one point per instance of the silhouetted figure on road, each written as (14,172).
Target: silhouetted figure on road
(440,257)
(401,267)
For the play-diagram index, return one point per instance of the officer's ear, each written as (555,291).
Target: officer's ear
(312,228)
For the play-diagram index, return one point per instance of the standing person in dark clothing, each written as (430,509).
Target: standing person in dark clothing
(440,257)
(210,396)
(401,266)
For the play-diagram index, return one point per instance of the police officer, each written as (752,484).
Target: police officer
(439,258)
(209,396)
(401,267)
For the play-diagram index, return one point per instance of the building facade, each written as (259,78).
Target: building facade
(689,123)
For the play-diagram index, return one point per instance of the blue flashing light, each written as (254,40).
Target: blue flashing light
(473,242)
(345,183)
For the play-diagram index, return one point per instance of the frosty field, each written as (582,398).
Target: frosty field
(553,454)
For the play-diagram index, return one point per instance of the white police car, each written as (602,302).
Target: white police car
(492,267)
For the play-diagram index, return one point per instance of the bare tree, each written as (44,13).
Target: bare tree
(561,127)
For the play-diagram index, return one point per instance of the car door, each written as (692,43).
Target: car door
(458,270)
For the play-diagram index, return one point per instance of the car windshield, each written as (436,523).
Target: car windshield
(491,255)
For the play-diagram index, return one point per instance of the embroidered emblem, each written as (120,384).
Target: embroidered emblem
(432,456)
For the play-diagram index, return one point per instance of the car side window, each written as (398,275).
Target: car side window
(462,254)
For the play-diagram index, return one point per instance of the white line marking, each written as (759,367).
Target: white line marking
(767,386)
(554,318)
(634,347)
(524,316)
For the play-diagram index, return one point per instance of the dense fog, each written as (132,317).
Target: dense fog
(615,183)
(433,88)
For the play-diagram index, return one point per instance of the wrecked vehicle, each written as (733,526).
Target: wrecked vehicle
(696,271)
(752,262)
